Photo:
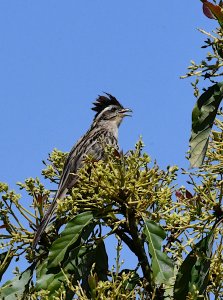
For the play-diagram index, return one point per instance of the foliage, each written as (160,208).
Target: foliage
(210,69)
(174,233)
(139,204)
(203,117)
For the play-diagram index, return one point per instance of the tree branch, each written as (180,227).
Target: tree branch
(140,251)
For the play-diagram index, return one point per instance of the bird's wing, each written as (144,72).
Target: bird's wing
(91,144)
(71,165)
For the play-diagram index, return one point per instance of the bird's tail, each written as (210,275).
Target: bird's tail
(47,217)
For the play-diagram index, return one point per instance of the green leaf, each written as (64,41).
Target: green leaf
(68,237)
(101,261)
(75,265)
(203,117)
(5,259)
(98,257)
(193,273)
(52,281)
(15,288)
(162,265)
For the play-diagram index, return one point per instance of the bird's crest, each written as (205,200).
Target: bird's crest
(102,102)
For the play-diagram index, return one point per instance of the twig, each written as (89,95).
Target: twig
(12,213)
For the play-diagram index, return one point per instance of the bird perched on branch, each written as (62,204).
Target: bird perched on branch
(103,131)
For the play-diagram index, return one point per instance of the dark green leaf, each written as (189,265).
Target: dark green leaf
(97,256)
(203,116)
(5,259)
(68,237)
(75,264)
(14,289)
(132,281)
(42,278)
(162,265)
(101,261)
(200,271)
(52,281)
(194,270)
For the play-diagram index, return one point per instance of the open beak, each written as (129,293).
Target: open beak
(126,112)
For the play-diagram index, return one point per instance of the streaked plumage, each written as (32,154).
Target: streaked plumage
(103,131)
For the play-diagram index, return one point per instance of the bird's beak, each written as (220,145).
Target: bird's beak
(126,112)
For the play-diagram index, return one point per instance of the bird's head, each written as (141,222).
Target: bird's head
(108,109)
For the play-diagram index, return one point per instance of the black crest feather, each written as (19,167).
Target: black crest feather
(102,102)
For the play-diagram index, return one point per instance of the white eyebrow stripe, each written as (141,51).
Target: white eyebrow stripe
(104,110)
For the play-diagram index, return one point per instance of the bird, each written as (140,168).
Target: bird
(103,131)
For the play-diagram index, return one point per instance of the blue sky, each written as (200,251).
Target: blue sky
(57,56)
